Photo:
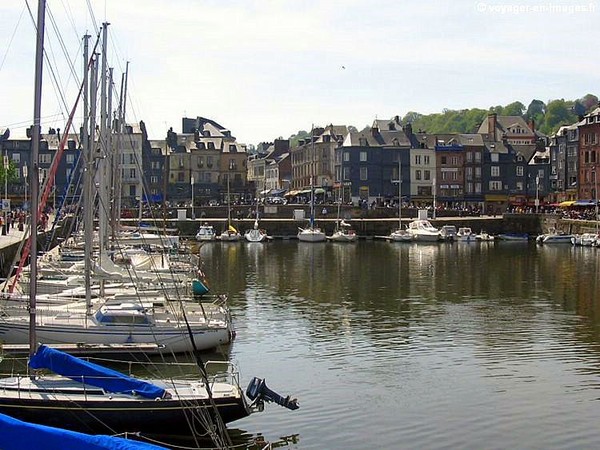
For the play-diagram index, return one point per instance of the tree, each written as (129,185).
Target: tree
(514,109)
(589,101)
(558,112)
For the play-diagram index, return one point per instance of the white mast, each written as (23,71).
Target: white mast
(34,174)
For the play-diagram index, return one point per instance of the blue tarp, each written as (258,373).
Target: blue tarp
(18,435)
(90,373)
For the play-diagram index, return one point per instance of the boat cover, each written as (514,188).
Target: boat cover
(87,372)
(18,435)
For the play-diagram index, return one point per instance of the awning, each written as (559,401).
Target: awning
(566,203)
(319,191)
(585,203)
(292,193)
(277,191)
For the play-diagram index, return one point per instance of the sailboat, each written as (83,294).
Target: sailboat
(256,234)
(163,321)
(343,230)
(312,233)
(86,397)
(230,234)
(400,234)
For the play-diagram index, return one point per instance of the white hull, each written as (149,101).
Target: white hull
(255,235)
(206,233)
(228,236)
(422,231)
(311,235)
(554,239)
(172,339)
(401,236)
(341,236)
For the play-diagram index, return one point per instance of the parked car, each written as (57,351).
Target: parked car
(276,201)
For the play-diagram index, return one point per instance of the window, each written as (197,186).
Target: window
(477,172)
(417,175)
(154,179)
(418,159)
(469,157)
(477,157)
(469,173)
(132,173)
(519,171)
(494,157)
(44,158)
(519,186)
(346,173)
(363,174)
(478,188)
(444,159)
(454,160)
(131,158)
(363,156)
(495,185)
(346,156)
(16,157)
(495,172)
(70,159)
(427,175)
(469,188)
(426,160)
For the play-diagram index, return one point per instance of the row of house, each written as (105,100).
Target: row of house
(506,162)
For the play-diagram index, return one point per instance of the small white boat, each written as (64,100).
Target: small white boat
(464,234)
(585,239)
(485,237)
(448,233)
(554,237)
(230,235)
(206,233)
(311,234)
(400,235)
(343,233)
(514,237)
(256,234)
(423,231)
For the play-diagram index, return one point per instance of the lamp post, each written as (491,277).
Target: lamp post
(537,193)
(596,196)
(26,184)
(434,192)
(5,202)
(192,184)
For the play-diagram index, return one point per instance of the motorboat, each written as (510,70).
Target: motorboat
(448,233)
(585,239)
(206,233)
(554,237)
(464,234)
(423,231)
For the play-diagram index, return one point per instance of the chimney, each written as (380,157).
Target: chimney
(492,118)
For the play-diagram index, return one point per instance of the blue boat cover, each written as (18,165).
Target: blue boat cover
(18,435)
(93,374)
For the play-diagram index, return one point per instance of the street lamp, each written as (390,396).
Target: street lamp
(26,184)
(5,202)
(596,195)
(192,183)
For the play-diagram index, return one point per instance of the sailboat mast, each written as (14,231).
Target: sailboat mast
(399,192)
(34,174)
(312,188)
(87,170)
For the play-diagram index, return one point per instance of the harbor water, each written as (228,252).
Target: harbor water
(396,345)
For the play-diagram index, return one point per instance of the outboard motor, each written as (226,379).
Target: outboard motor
(257,391)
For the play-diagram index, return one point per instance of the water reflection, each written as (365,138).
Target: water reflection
(446,345)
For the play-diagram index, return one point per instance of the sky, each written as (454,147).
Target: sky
(268,68)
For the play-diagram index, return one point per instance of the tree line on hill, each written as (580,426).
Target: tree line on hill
(548,117)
